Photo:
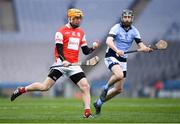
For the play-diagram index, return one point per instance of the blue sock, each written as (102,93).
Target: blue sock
(99,102)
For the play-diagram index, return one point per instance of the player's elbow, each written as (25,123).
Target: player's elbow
(107,42)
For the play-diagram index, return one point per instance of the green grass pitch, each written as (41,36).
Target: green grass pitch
(59,110)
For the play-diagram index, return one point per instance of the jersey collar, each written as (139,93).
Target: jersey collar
(68,25)
(125,28)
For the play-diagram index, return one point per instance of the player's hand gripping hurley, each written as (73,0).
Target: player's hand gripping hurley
(90,62)
(160,45)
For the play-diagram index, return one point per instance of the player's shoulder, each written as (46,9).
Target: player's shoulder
(62,29)
(117,25)
(80,30)
(134,28)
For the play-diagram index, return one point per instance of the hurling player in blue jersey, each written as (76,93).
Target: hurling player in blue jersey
(119,40)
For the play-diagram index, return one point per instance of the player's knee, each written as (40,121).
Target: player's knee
(119,76)
(85,87)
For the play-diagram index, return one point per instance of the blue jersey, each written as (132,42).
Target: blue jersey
(123,39)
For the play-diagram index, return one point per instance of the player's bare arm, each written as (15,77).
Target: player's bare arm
(144,48)
(110,44)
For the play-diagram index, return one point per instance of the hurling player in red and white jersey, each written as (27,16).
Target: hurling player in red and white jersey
(68,41)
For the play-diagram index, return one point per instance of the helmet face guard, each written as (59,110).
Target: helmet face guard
(127,13)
